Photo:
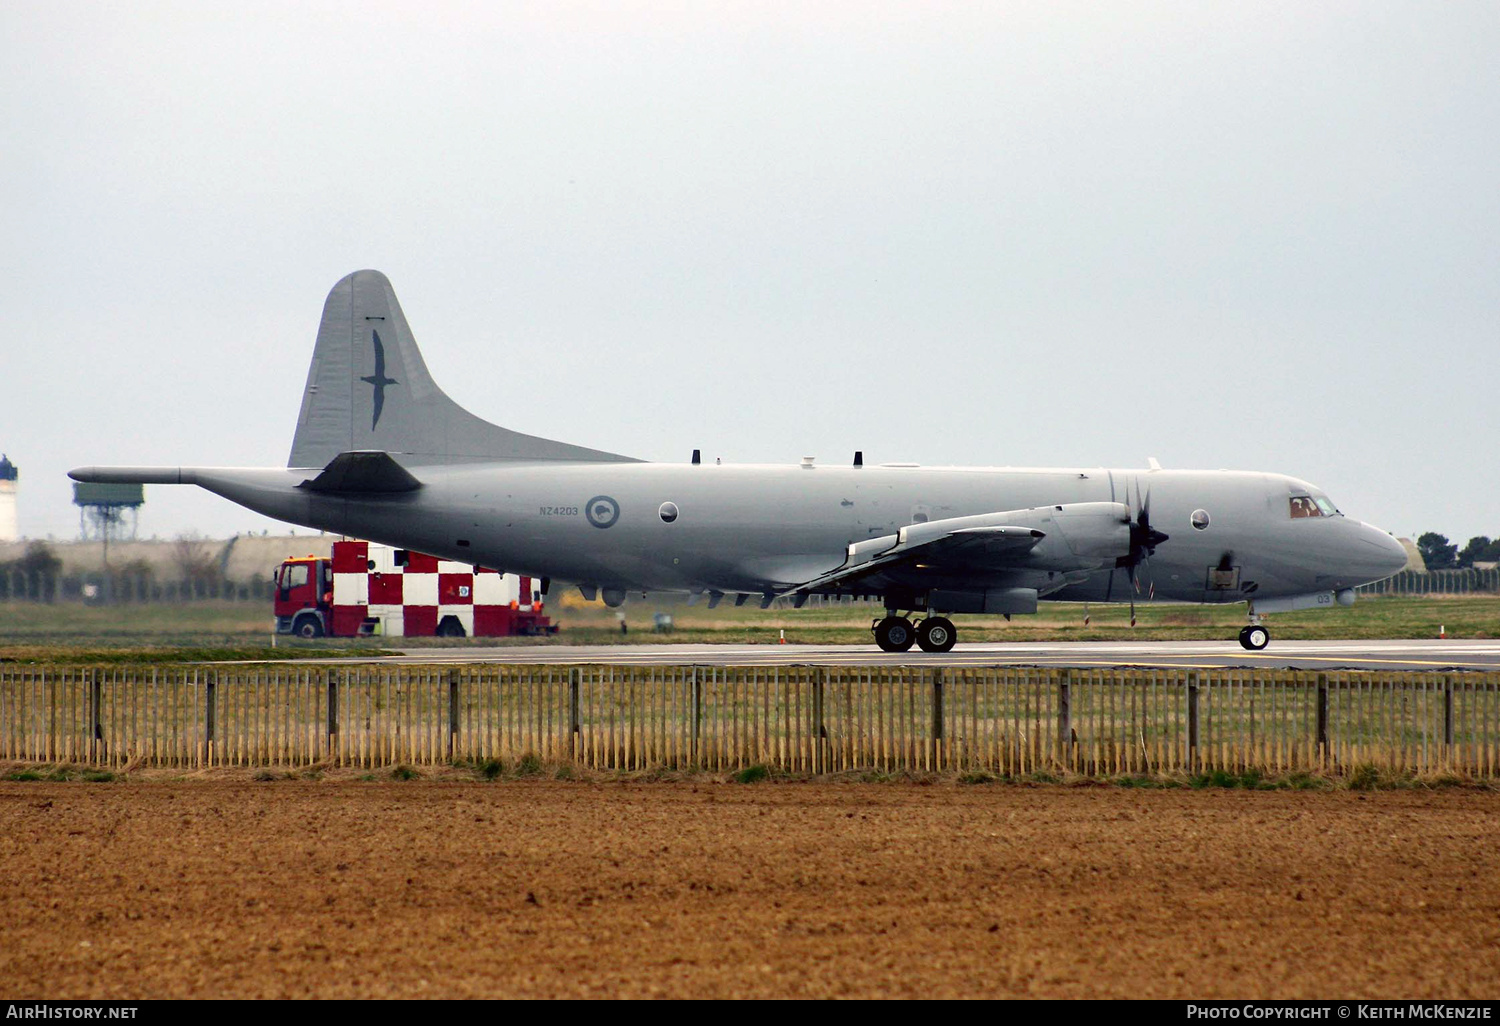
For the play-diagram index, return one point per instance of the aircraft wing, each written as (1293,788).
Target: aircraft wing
(1072,537)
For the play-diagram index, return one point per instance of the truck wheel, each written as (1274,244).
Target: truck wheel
(308,627)
(450,628)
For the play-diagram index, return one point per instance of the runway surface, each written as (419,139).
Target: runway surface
(1305,655)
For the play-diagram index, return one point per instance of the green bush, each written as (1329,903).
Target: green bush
(529,766)
(1364,777)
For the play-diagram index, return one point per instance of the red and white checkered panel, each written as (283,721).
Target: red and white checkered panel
(351,557)
(410,597)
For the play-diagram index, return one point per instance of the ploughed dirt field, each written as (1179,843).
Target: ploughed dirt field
(533,889)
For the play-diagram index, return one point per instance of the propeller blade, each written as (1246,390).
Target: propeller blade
(1143,542)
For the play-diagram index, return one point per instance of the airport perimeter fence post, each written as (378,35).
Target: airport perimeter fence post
(937,717)
(51,686)
(1448,712)
(1192,711)
(697,712)
(575,720)
(210,718)
(96,720)
(452,712)
(1322,721)
(333,714)
(937,703)
(1064,716)
(819,732)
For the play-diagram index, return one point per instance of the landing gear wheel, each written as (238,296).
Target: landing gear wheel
(895,634)
(936,634)
(1255,637)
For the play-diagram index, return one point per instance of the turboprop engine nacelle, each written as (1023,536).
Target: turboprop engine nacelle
(1095,533)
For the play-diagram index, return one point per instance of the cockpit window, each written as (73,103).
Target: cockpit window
(1326,506)
(1303,506)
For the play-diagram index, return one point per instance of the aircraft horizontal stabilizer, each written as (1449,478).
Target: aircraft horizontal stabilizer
(363,471)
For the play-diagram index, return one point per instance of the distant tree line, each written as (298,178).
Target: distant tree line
(1440,554)
(37,576)
(32,575)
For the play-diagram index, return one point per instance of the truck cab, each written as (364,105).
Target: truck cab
(304,596)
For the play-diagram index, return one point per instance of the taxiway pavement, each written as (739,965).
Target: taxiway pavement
(1425,655)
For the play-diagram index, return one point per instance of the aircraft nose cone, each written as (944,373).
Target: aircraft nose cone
(1381,554)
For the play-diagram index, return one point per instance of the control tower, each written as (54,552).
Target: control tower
(9,527)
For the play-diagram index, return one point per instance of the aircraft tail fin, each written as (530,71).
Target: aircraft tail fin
(368,389)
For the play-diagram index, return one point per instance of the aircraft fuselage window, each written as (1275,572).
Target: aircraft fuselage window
(1303,507)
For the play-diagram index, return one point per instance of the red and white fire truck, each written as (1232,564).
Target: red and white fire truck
(367,589)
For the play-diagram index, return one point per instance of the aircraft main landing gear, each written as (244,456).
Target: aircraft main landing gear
(936,634)
(898,634)
(1255,637)
(895,634)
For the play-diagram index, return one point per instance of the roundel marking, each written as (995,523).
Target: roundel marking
(602,511)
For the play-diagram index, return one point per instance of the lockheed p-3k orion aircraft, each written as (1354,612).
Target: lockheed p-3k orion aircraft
(380,452)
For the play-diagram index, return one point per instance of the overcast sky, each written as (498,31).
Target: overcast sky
(1259,236)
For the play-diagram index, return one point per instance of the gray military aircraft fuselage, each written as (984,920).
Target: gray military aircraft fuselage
(381,453)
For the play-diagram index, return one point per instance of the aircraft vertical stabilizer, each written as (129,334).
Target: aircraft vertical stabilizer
(368,389)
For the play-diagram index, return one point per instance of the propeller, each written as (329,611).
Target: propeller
(1143,542)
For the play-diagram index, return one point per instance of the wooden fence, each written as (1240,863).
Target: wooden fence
(802,719)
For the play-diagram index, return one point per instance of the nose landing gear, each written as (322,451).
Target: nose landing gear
(1255,637)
